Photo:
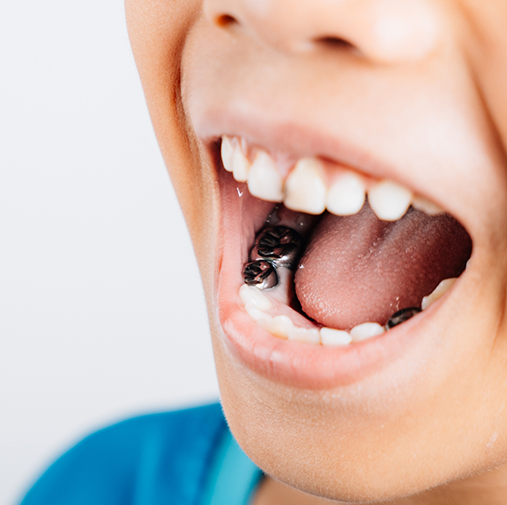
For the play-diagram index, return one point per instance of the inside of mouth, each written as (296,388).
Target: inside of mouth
(358,273)
(356,269)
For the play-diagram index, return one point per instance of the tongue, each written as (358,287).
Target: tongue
(359,269)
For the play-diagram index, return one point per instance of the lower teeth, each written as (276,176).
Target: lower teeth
(401,316)
(261,274)
(275,247)
(278,247)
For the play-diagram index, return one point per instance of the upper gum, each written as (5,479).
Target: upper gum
(285,162)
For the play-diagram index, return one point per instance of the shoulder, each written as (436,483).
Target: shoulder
(157,458)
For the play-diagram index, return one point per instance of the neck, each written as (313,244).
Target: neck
(489,487)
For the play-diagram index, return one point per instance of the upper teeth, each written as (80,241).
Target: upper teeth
(346,195)
(389,200)
(305,188)
(264,180)
(310,188)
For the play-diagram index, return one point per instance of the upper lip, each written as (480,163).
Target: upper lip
(292,138)
(297,140)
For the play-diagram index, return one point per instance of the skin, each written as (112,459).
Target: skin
(434,431)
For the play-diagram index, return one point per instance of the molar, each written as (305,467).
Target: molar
(277,244)
(401,316)
(389,200)
(438,292)
(261,274)
(305,188)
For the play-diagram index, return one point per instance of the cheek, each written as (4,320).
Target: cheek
(487,50)
(158,32)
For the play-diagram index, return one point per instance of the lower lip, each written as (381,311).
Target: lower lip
(296,364)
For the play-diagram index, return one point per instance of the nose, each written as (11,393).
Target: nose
(386,31)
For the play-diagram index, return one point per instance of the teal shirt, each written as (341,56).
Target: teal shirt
(185,457)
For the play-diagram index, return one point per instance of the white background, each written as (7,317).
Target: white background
(101,308)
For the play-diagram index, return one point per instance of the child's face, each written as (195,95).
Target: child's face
(410,91)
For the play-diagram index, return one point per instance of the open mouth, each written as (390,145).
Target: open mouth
(319,257)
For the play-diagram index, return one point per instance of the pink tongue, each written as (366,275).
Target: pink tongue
(358,269)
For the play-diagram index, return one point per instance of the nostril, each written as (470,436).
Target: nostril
(226,20)
(334,43)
